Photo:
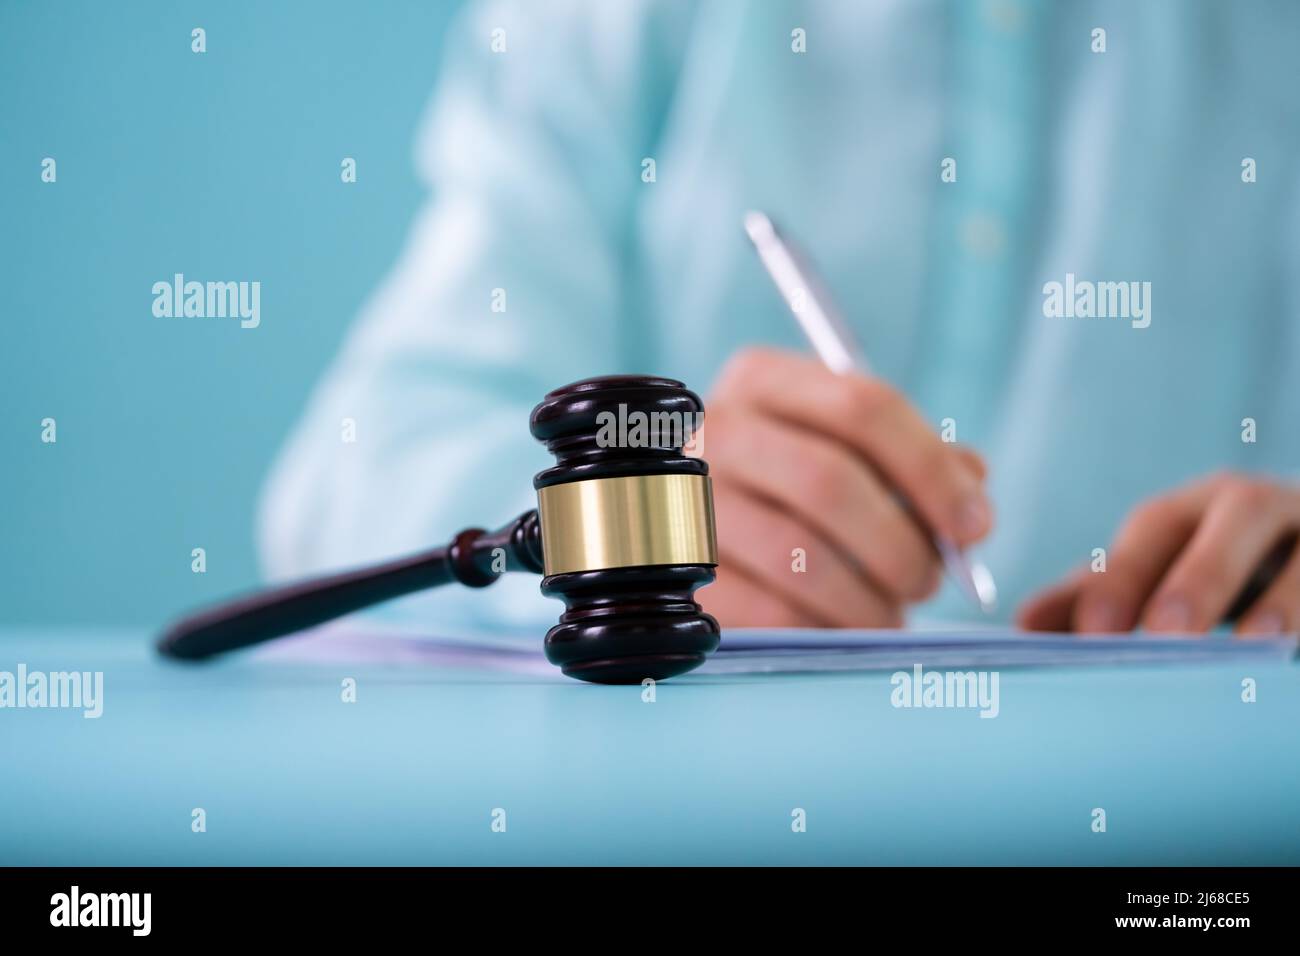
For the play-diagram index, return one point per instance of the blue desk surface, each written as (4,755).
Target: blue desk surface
(410,774)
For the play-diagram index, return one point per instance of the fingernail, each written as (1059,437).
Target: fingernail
(972,517)
(1171,614)
(1099,616)
(1265,623)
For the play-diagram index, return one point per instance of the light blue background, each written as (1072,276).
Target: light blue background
(224,166)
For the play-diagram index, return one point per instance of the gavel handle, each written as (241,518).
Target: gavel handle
(472,558)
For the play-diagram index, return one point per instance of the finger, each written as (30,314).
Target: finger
(1278,609)
(761,540)
(827,488)
(1240,525)
(1051,609)
(1147,543)
(738,600)
(973,460)
(875,421)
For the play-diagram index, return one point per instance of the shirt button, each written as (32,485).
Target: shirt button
(983,236)
(1007,15)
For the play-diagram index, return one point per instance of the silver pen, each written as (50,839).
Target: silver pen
(835,344)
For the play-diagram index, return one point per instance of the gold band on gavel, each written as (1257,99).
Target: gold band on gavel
(627,522)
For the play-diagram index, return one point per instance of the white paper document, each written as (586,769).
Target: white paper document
(774,651)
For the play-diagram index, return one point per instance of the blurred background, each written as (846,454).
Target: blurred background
(1116,163)
(220,166)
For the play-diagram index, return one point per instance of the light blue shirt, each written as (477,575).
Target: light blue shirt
(1119,166)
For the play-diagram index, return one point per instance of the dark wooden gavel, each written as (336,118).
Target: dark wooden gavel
(623,534)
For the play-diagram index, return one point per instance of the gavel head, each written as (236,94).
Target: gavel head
(627,529)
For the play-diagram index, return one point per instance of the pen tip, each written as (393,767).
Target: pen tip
(986,591)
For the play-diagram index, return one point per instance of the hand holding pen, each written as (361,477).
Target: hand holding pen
(835,344)
(827,490)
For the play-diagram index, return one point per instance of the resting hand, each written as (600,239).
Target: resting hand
(1180,561)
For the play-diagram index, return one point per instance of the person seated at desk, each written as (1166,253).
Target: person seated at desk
(961,172)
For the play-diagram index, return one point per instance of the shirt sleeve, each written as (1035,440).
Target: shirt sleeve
(512,283)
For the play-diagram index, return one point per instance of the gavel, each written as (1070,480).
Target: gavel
(623,534)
